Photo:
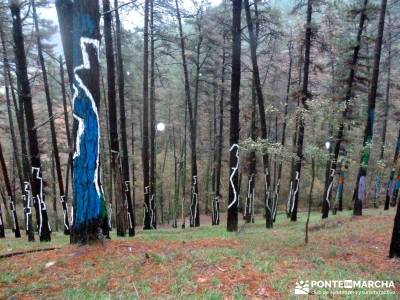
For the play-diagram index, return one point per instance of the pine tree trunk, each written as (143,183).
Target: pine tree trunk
(124,141)
(349,94)
(233,200)
(284,126)
(359,191)
(149,213)
(51,118)
(194,204)
(152,121)
(391,185)
(261,110)
(217,196)
(90,221)
(26,98)
(10,196)
(119,186)
(305,95)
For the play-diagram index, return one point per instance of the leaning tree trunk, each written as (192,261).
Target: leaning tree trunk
(122,113)
(261,110)
(10,196)
(26,98)
(51,118)
(194,205)
(120,206)
(233,201)
(90,221)
(359,191)
(305,95)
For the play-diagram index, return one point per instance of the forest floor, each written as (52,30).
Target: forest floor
(206,262)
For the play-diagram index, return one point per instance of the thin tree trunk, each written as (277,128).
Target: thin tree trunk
(283,140)
(233,201)
(310,197)
(119,187)
(51,118)
(152,121)
(391,186)
(378,179)
(10,196)
(194,205)
(217,196)
(359,191)
(124,141)
(339,137)
(305,96)
(261,109)
(26,98)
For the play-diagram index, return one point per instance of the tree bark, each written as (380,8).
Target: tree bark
(261,110)
(51,118)
(122,113)
(326,203)
(26,98)
(233,200)
(194,205)
(305,96)
(152,121)
(119,186)
(10,196)
(90,221)
(359,191)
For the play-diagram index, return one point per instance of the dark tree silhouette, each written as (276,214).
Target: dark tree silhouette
(25,97)
(233,201)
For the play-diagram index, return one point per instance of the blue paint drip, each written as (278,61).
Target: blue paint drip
(87,200)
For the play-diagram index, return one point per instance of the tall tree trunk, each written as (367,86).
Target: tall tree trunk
(359,191)
(283,140)
(194,205)
(261,110)
(10,196)
(51,118)
(26,98)
(233,201)
(90,221)
(217,196)
(68,133)
(378,179)
(9,111)
(152,121)
(119,187)
(305,95)
(326,203)
(252,161)
(122,113)
(149,213)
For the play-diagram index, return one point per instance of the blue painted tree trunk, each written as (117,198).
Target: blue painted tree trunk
(90,221)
